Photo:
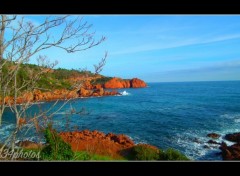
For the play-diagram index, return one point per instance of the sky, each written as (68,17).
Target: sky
(160,48)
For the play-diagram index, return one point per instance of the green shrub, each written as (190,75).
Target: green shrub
(102,80)
(56,148)
(171,154)
(83,155)
(144,152)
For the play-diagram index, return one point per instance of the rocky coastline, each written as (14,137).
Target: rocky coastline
(86,90)
(228,152)
(117,146)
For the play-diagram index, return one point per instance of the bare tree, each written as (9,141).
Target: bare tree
(99,67)
(24,42)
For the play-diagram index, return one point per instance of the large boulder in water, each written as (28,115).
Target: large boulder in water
(213,135)
(230,152)
(234,137)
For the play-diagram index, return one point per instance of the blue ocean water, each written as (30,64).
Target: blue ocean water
(177,115)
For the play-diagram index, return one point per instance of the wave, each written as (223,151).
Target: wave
(234,117)
(125,93)
(231,116)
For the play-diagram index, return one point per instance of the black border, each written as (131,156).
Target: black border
(119,168)
(118,7)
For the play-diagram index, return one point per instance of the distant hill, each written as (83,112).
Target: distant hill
(53,78)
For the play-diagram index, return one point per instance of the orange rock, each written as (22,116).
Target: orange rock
(117,83)
(85,93)
(95,94)
(87,85)
(29,145)
(8,100)
(97,142)
(114,83)
(126,84)
(136,83)
(98,86)
(22,121)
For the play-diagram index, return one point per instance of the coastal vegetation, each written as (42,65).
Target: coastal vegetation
(56,148)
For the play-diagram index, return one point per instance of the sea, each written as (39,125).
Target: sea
(167,115)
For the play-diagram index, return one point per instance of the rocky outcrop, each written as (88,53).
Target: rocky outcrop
(87,90)
(234,137)
(117,83)
(97,142)
(29,145)
(59,94)
(230,152)
(213,142)
(213,135)
(54,95)
(137,83)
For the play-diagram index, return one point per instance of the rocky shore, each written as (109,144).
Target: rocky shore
(97,142)
(87,90)
(231,152)
(116,146)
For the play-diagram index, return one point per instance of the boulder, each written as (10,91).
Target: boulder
(29,145)
(117,83)
(230,152)
(234,137)
(114,83)
(137,83)
(213,135)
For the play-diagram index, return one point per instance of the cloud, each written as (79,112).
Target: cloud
(182,43)
(216,72)
(219,66)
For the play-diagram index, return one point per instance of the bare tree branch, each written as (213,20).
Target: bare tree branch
(25,43)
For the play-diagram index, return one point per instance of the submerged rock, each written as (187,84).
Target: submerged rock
(213,135)
(213,142)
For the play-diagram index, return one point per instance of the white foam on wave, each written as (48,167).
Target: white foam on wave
(193,150)
(231,116)
(124,93)
(60,113)
(235,117)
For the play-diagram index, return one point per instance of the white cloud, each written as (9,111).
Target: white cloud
(181,43)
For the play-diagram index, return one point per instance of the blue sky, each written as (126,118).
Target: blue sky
(161,48)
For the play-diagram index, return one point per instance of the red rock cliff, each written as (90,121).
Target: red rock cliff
(117,83)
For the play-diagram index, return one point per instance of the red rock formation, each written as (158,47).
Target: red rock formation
(22,121)
(98,86)
(29,145)
(87,85)
(97,142)
(8,100)
(137,83)
(117,83)
(87,90)
(114,83)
